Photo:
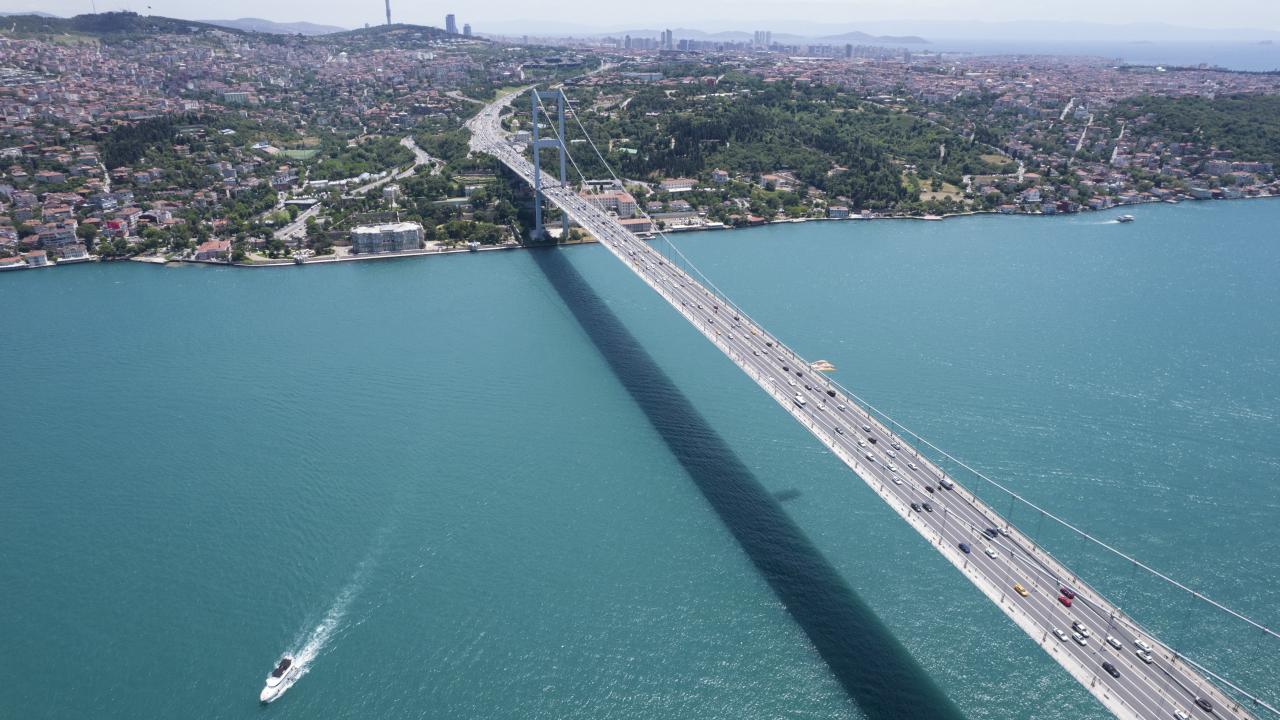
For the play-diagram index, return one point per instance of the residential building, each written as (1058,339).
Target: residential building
(673,185)
(390,237)
(214,250)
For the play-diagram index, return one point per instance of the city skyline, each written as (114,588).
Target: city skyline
(812,16)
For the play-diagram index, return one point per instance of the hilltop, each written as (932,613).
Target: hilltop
(271,27)
(110,25)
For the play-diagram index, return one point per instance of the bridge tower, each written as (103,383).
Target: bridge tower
(536,96)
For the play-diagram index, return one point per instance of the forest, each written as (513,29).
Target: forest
(829,140)
(1247,125)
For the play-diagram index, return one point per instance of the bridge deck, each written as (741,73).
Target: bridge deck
(902,476)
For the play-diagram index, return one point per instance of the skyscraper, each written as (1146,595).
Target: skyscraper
(667,43)
(466,30)
(450,24)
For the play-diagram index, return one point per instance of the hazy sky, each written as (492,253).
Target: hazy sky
(704,14)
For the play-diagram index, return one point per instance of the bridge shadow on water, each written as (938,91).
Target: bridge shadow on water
(874,669)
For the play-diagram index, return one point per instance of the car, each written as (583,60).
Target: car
(1111,669)
(892,467)
(1017,587)
(862,443)
(1181,714)
(1143,645)
(1145,656)
(871,456)
(895,445)
(1081,640)
(769,343)
(1066,601)
(990,532)
(991,553)
(756,353)
(873,440)
(915,506)
(791,382)
(799,374)
(1114,642)
(1204,704)
(841,408)
(839,430)
(928,488)
(866,428)
(1081,628)
(736,318)
(897,480)
(1068,592)
(912,466)
(1059,634)
(730,336)
(786,369)
(891,453)
(927,507)
(832,393)
(806,387)
(964,548)
(946,483)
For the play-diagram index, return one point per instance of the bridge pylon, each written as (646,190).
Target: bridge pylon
(535,101)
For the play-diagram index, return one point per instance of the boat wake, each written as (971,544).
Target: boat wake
(309,645)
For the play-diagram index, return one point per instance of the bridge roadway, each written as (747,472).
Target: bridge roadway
(1163,688)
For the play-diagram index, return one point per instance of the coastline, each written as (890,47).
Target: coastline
(332,259)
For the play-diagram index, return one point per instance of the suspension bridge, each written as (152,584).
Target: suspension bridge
(1129,670)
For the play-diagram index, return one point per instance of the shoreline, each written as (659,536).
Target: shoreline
(334,259)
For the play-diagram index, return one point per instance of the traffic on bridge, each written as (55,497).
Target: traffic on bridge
(1128,670)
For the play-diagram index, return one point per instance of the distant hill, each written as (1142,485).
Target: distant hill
(396,31)
(259,25)
(37,13)
(109,25)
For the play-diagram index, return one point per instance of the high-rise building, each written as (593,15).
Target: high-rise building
(466,30)
(667,43)
(451,24)
(388,12)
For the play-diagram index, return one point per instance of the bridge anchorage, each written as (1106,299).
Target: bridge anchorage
(536,108)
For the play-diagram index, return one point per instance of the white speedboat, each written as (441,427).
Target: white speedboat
(1126,218)
(279,680)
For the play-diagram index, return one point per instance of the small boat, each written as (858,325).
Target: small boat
(279,680)
(1125,219)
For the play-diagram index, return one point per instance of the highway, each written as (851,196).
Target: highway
(944,513)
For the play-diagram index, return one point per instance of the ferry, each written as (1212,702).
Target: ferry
(279,680)
(1125,218)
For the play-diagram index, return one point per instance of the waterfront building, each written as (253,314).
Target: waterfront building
(838,212)
(35,258)
(389,237)
(214,250)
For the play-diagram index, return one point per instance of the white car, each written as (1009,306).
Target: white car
(912,466)
(1081,640)
(871,456)
(897,480)
(1145,656)
(1114,643)
(891,453)
(862,443)
(1059,634)
(991,553)
(893,468)
(1081,628)
(1143,645)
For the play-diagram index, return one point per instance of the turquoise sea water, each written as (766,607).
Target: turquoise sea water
(425,473)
